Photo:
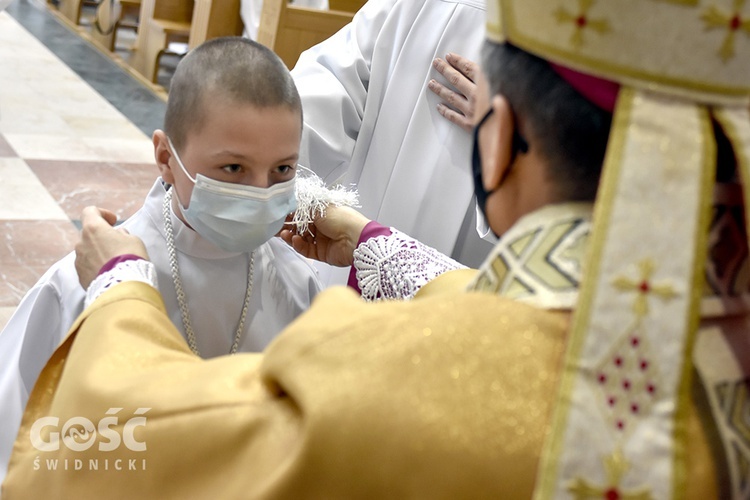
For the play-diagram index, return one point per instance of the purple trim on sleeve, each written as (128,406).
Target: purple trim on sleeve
(111,263)
(373,229)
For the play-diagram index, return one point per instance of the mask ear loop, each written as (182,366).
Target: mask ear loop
(182,166)
(179,161)
(518,144)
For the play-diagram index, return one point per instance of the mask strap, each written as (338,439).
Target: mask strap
(518,144)
(179,161)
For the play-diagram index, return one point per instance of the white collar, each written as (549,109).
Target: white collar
(539,259)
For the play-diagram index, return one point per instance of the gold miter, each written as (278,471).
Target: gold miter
(683,69)
(699,48)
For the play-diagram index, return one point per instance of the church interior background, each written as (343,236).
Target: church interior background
(75,130)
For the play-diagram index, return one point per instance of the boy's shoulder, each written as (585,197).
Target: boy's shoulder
(60,277)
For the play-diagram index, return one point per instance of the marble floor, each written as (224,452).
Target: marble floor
(74,131)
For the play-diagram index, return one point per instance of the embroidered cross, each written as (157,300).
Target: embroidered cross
(581,21)
(715,18)
(615,466)
(644,287)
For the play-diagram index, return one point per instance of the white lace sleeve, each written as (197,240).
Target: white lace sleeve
(129,270)
(397,266)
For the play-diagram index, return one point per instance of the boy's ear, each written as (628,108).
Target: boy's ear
(162,155)
(500,147)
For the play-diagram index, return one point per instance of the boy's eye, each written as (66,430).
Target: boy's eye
(285,169)
(233,168)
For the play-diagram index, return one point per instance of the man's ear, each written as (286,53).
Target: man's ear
(162,155)
(500,147)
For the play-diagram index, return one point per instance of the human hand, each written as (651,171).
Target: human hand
(101,242)
(459,105)
(331,238)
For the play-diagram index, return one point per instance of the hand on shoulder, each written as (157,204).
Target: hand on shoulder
(459,102)
(100,242)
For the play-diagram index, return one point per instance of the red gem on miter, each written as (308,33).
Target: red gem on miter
(612,494)
(735,23)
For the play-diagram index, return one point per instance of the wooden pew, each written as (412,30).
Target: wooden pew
(105,26)
(72,9)
(161,23)
(289,30)
(214,19)
(346,5)
(185,21)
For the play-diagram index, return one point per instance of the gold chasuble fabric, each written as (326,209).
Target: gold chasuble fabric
(446,396)
(394,400)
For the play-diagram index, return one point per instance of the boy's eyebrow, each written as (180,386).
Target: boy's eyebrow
(293,158)
(225,152)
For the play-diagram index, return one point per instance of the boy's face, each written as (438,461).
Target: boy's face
(237,143)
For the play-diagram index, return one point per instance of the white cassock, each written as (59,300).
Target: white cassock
(370,119)
(250,13)
(214,281)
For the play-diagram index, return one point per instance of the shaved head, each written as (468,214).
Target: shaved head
(233,68)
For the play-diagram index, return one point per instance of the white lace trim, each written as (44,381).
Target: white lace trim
(397,266)
(129,270)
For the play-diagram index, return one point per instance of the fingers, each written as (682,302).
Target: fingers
(453,99)
(301,246)
(100,242)
(109,216)
(468,68)
(457,100)
(455,117)
(286,235)
(458,109)
(91,217)
(458,105)
(288,226)
(455,73)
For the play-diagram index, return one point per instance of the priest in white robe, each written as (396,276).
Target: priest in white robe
(370,119)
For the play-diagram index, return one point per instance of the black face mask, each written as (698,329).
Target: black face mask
(519,144)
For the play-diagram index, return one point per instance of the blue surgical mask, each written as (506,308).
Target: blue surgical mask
(236,217)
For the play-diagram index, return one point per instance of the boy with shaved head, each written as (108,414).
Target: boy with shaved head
(227,159)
